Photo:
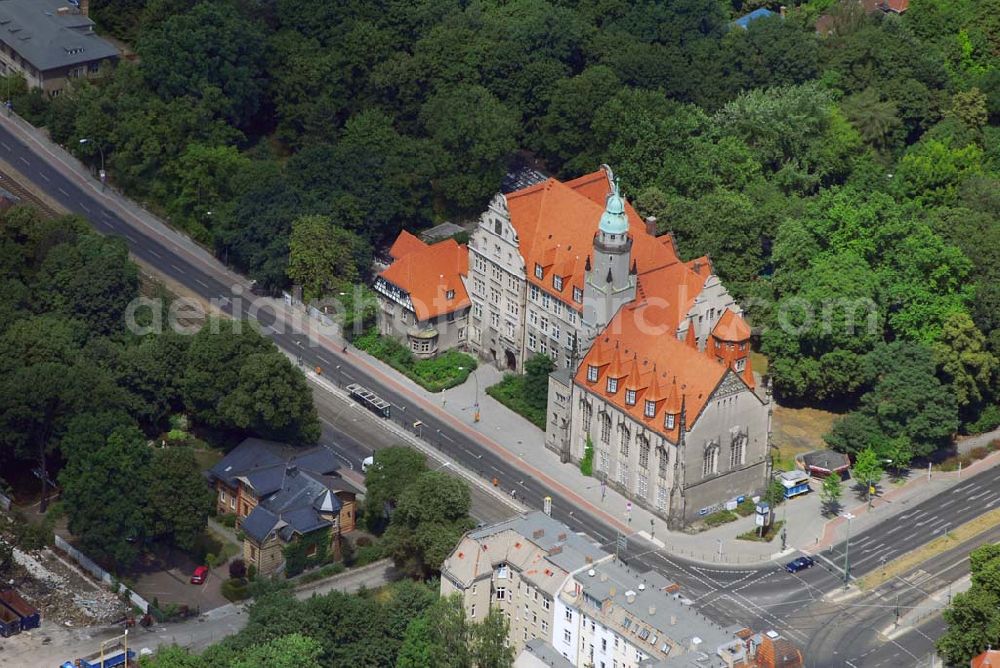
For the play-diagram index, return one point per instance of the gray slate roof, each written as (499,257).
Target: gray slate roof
(575,549)
(292,485)
(47,39)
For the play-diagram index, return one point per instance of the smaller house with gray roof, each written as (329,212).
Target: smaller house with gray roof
(51,43)
(280,494)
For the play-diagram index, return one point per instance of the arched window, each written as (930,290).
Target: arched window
(588,415)
(710,464)
(737,448)
(624,436)
(643,452)
(497,227)
(605,428)
(664,457)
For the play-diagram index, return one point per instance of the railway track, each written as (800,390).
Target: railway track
(26,195)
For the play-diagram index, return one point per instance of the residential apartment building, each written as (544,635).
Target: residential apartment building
(280,494)
(422,297)
(565,597)
(51,43)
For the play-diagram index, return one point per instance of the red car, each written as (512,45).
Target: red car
(199,575)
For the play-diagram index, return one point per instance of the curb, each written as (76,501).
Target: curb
(423,447)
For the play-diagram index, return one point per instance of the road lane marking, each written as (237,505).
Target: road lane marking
(324,360)
(63,192)
(949,502)
(155,254)
(42,174)
(130,237)
(21,158)
(976,496)
(6,147)
(200,282)
(85,207)
(176,267)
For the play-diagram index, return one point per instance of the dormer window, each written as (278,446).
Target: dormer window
(557,282)
(740,364)
(612,385)
(578,295)
(630,397)
(591,373)
(650,409)
(670,420)
(539,272)
(450,294)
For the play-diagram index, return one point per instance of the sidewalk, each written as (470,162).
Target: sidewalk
(807,529)
(512,437)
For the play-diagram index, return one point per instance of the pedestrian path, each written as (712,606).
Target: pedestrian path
(807,528)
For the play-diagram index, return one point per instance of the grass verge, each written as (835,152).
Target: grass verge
(768,536)
(914,558)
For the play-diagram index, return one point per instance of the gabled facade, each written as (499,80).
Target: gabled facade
(280,494)
(422,297)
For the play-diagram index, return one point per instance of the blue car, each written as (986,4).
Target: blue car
(800,564)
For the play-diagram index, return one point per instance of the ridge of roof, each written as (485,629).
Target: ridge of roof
(429,275)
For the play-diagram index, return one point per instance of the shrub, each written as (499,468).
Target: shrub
(320,573)
(746,507)
(237,569)
(251,572)
(367,555)
(32,535)
(447,370)
(994,444)
(235,590)
(587,463)
(510,392)
(228,520)
(719,517)
(363,541)
(768,536)
(211,560)
(988,420)
(979,453)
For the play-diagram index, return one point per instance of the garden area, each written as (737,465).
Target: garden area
(449,369)
(526,394)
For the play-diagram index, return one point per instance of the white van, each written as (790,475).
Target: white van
(366,462)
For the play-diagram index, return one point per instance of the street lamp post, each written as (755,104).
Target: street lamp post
(103,174)
(847,551)
(475,398)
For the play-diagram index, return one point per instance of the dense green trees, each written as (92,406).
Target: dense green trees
(83,393)
(974,615)
(844,176)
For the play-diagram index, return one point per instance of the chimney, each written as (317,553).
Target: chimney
(630,596)
(85,7)
(538,533)
(651,225)
(555,550)
(561,537)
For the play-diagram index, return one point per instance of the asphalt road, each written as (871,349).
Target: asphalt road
(761,598)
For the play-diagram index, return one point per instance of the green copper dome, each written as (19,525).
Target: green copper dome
(614,220)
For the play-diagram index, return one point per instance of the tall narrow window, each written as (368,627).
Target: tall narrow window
(630,397)
(605,428)
(588,416)
(612,385)
(643,452)
(650,409)
(664,457)
(669,421)
(539,272)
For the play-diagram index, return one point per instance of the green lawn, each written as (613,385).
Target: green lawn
(449,369)
(510,392)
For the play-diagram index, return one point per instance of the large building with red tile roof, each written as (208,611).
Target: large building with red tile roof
(652,351)
(422,296)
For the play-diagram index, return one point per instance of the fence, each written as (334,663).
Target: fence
(88,565)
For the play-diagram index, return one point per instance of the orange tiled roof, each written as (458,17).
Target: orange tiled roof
(556,223)
(405,244)
(641,332)
(778,653)
(898,6)
(731,327)
(429,273)
(988,659)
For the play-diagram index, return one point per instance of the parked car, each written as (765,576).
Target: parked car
(199,575)
(367,462)
(800,564)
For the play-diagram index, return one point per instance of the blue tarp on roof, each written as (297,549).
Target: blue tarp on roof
(744,21)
